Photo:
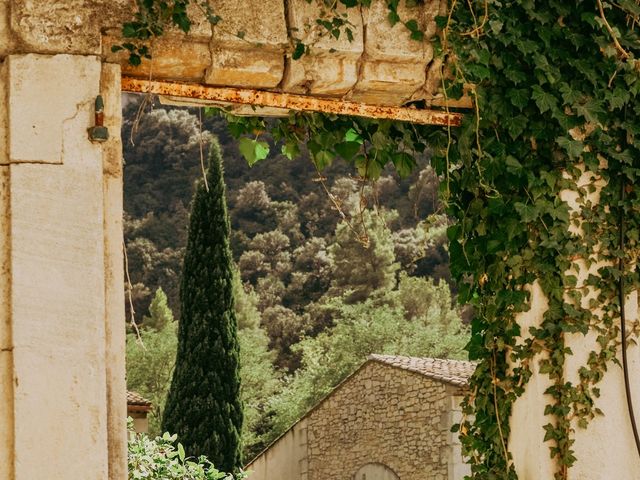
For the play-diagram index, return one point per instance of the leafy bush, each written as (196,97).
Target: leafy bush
(160,459)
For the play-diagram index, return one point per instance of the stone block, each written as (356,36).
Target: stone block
(394,66)
(70,26)
(58,318)
(257,59)
(39,116)
(331,66)
(174,57)
(5,33)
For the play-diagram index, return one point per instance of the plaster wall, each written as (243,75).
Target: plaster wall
(616,457)
(286,458)
(606,448)
(526,441)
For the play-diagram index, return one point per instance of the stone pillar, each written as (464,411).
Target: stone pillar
(62,395)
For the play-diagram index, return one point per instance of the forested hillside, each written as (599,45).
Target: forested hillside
(329,270)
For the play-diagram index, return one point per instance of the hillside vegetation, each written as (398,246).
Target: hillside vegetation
(328,270)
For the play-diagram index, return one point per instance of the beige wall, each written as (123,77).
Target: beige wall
(606,449)
(285,459)
(380,415)
(140,422)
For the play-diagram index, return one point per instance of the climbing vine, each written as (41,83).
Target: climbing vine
(557,89)
(541,180)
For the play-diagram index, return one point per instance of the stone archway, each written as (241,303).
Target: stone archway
(62,388)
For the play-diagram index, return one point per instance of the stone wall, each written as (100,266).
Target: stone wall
(382,415)
(381,66)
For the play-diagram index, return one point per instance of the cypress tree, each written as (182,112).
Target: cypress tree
(203,405)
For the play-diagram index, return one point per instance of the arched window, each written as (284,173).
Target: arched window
(375,471)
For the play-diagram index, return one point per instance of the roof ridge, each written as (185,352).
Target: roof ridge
(452,371)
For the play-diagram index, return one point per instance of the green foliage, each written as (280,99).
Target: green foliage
(150,359)
(362,266)
(160,315)
(204,405)
(161,459)
(162,162)
(388,322)
(556,93)
(259,383)
(259,378)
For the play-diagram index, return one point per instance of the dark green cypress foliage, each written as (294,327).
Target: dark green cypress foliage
(203,405)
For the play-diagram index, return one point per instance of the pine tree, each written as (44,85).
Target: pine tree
(203,406)
(160,313)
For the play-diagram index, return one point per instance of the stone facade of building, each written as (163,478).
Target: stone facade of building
(394,414)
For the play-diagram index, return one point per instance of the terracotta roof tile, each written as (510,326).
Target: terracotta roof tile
(136,399)
(455,372)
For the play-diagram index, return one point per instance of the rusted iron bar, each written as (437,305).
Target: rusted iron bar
(289,101)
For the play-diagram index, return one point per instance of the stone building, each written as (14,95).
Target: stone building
(390,420)
(138,408)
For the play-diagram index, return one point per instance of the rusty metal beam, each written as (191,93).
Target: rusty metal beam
(289,101)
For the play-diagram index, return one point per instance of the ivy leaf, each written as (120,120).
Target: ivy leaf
(299,50)
(348,150)
(182,21)
(134,59)
(544,100)
(129,30)
(414,28)
(573,148)
(618,98)
(591,110)
(349,33)
(517,125)
(322,159)
(441,21)
(290,150)
(253,150)
(528,213)
(496,26)
(480,72)
(519,97)
(393,17)
(404,164)
(352,136)
(368,168)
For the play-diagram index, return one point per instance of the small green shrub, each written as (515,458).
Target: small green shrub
(161,459)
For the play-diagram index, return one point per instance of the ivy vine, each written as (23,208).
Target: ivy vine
(556,89)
